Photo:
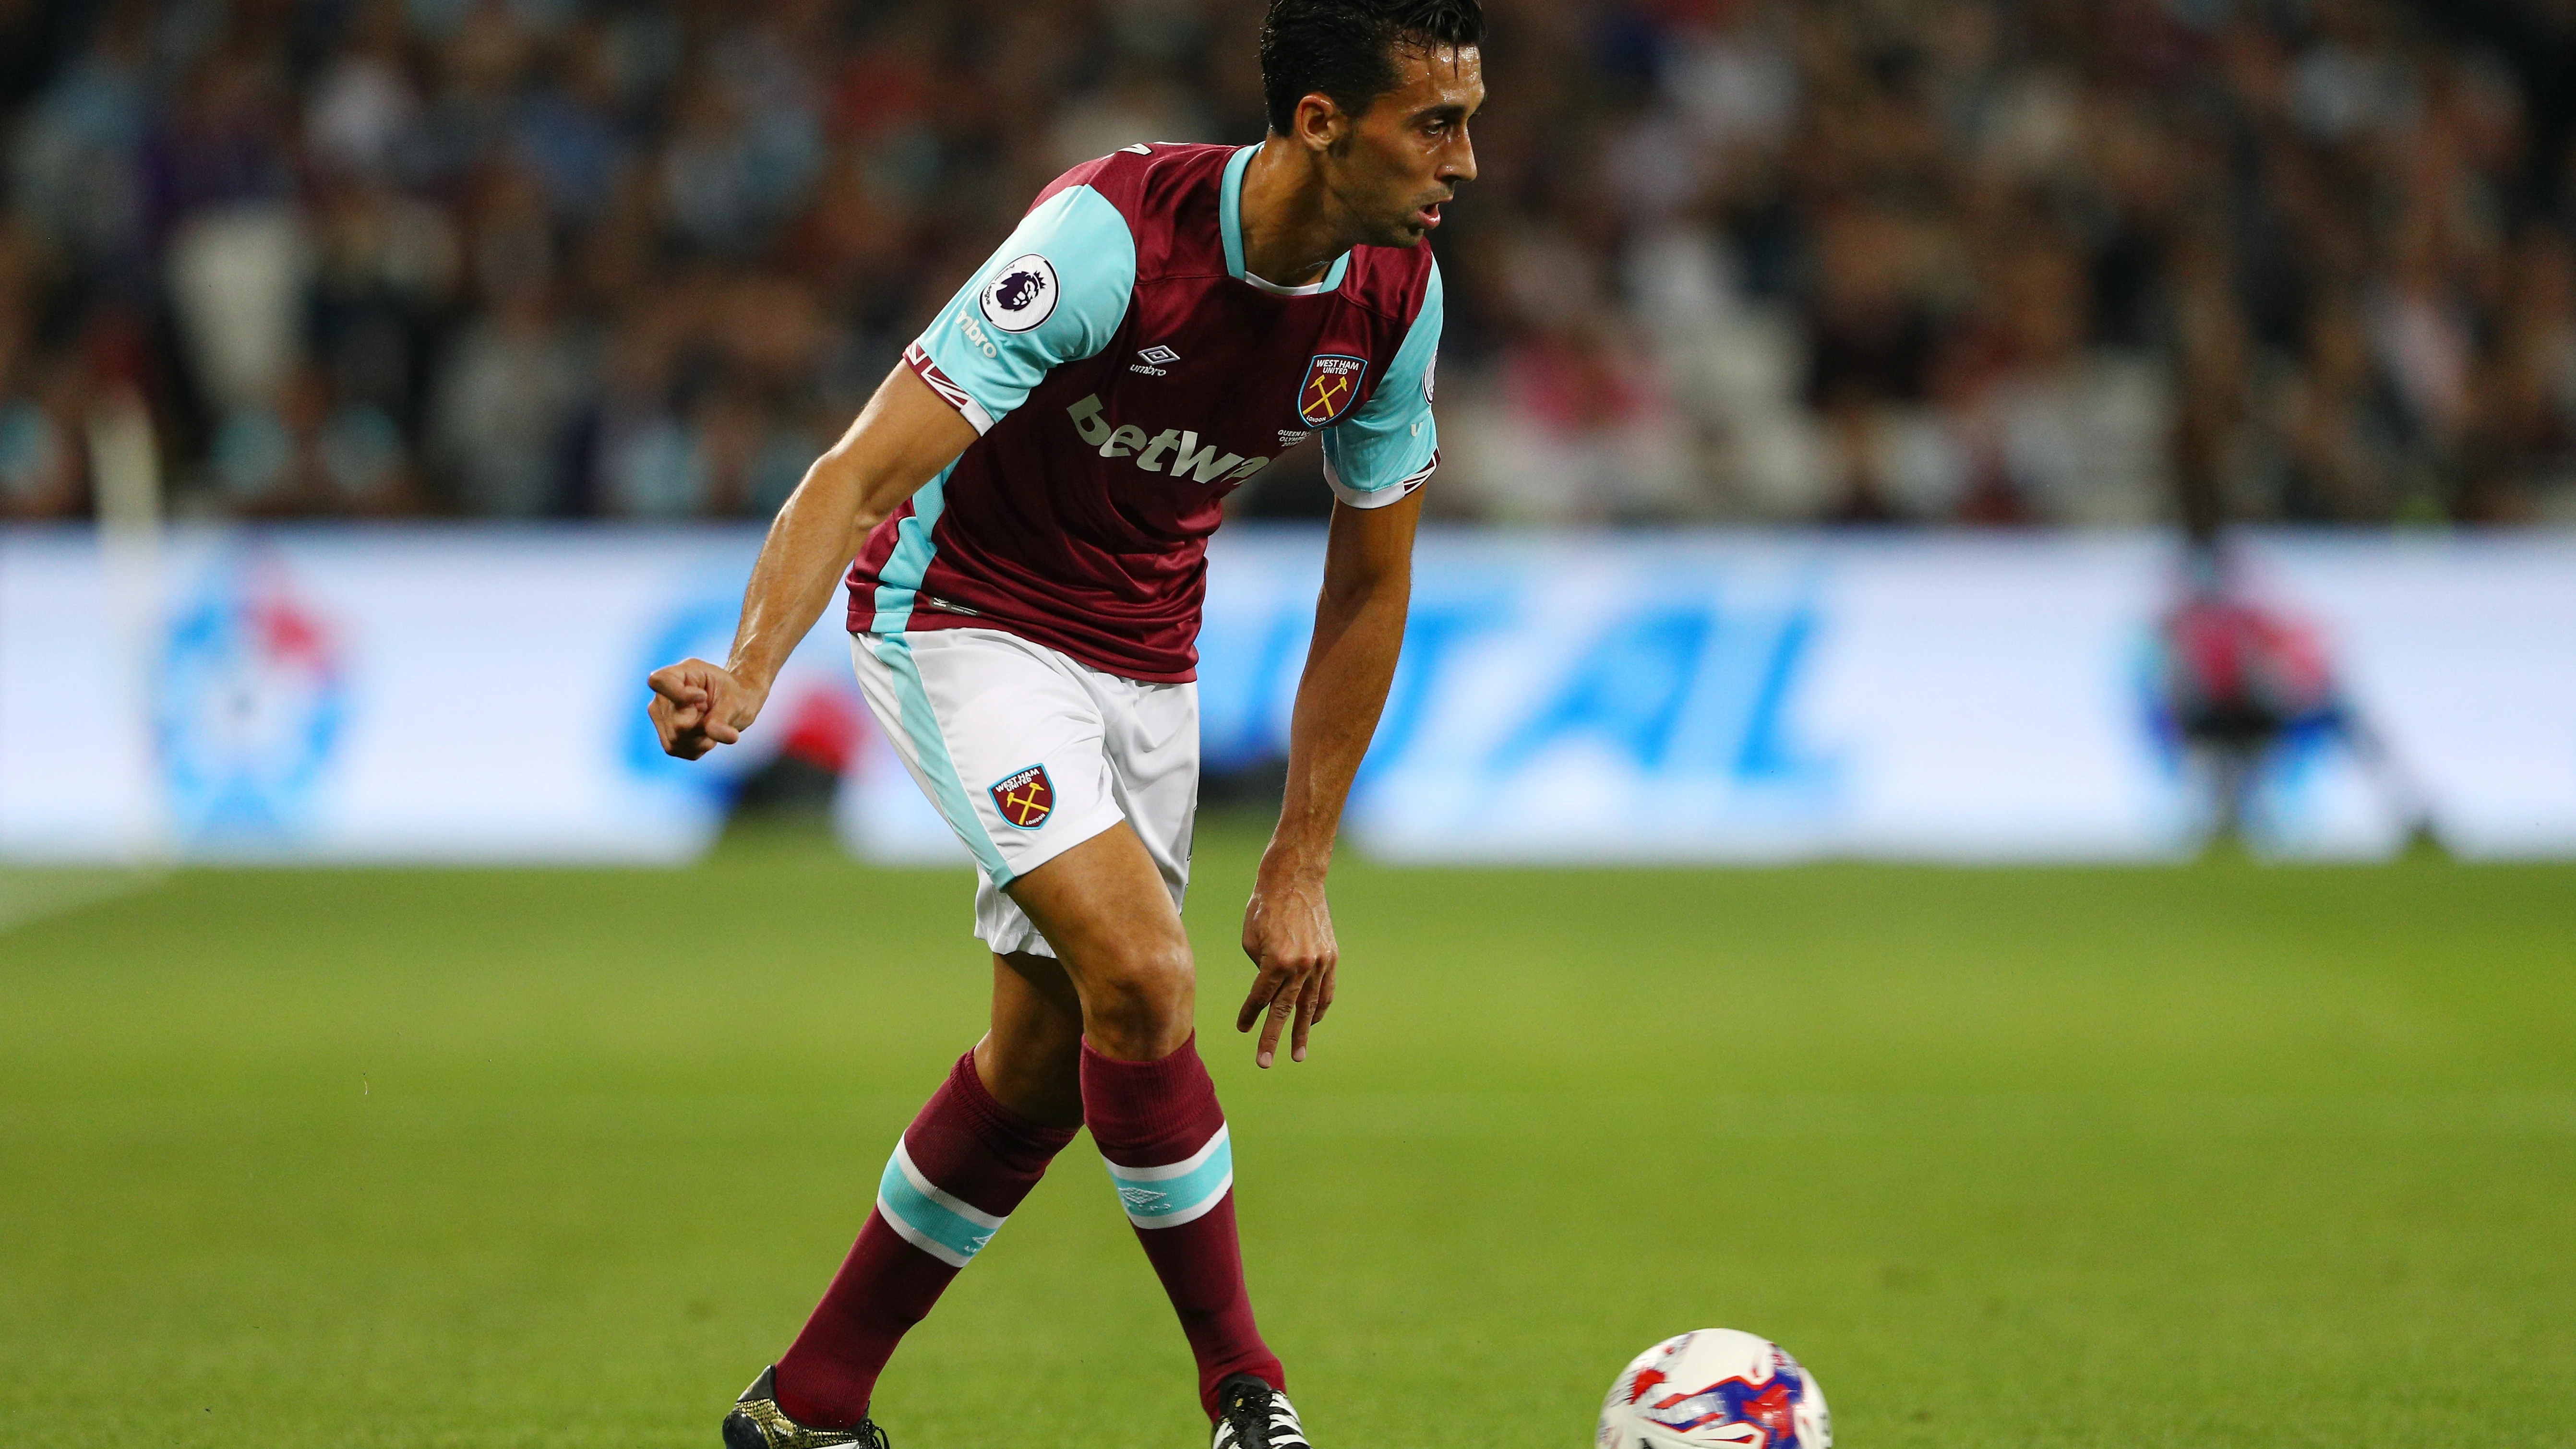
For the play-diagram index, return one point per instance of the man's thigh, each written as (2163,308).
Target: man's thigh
(1106,908)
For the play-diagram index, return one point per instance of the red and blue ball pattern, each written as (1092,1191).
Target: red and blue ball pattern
(1713,1388)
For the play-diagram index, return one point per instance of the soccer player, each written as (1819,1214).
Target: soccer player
(1029,498)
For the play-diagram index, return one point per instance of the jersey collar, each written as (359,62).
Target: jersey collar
(1229,220)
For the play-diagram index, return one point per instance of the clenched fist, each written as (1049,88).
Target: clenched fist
(698,706)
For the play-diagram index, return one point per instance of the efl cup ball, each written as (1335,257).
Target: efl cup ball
(1716,1386)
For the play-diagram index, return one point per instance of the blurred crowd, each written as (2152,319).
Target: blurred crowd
(1850,261)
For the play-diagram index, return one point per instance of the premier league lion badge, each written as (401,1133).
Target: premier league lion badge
(1025,797)
(1332,384)
(1021,295)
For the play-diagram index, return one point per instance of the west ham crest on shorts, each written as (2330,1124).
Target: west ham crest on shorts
(1025,797)
(1332,384)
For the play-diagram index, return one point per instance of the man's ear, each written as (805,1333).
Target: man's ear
(1321,125)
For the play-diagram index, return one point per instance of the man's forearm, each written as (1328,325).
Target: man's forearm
(903,437)
(1359,631)
(810,543)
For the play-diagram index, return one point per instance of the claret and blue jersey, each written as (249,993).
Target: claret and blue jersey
(1124,372)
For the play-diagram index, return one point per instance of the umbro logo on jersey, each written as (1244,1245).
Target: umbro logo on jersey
(1171,451)
(1157,359)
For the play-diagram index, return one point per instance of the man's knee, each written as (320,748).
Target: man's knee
(1137,1001)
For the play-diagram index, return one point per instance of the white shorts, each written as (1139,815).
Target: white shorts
(1029,753)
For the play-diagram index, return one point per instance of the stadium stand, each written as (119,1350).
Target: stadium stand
(2069,262)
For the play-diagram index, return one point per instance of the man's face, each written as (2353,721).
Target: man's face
(1394,166)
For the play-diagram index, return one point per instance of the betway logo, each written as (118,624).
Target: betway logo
(1188,459)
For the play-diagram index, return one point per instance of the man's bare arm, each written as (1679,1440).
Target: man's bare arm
(1359,629)
(900,440)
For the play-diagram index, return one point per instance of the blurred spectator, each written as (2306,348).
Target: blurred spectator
(2044,262)
(507,394)
(41,474)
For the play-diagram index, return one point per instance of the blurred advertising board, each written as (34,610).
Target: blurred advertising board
(439,694)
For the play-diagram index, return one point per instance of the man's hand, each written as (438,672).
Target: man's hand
(1288,933)
(698,706)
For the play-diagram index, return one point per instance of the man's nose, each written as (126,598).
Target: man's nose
(1460,162)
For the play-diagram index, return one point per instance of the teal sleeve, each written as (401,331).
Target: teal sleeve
(1390,446)
(1053,293)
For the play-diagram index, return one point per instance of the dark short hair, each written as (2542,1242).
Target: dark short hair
(1346,48)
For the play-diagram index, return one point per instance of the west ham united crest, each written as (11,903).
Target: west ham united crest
(1332,384)
(1025,797)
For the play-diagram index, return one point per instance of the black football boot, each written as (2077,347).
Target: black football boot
(1252,1415)
(758,1423)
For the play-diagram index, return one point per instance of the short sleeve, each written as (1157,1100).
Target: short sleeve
(1390,446)
(1054,292)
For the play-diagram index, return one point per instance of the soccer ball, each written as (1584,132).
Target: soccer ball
(1715,1387)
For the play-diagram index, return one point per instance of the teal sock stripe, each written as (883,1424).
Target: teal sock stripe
(945,1226)
(1167,1197)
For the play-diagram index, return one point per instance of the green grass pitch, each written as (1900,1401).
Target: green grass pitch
(2215,1155)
